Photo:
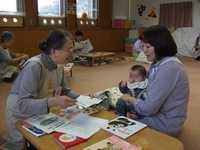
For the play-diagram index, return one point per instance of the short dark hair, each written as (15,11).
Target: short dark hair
(79,33)
(139,68)
(161,39)
(56,40)
(7,36)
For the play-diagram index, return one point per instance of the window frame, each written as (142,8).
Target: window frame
(59,21)
(89,22)
(13,19)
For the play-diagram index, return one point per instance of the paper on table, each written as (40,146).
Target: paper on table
(83,126)
(48,122)
(87,101)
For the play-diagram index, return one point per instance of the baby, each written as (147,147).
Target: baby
(135,87)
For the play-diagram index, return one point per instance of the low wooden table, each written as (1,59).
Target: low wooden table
(147,139)
(96,55)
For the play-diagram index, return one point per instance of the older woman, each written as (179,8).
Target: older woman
(165,107)
(34,88)
(7,58)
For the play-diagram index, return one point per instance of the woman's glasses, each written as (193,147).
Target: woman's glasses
(70,50)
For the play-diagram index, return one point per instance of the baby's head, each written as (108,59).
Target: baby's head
(137,74)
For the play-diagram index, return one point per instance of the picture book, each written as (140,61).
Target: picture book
(123,126)
(113,143)
(86,46)
(72,111)
(34,130)
(67,140)
(48,122)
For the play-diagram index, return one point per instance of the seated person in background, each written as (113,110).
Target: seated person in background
(197,48)
(135,87)
(35,90)
(77,45)
(7,58)
(137,48)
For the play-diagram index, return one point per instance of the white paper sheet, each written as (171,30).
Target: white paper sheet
(83,126)
(87,101)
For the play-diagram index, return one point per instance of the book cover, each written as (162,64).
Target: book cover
(67,140)
(34,130)
(47,122)
(123,126)
(112,143)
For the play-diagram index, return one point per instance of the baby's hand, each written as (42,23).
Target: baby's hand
(131,116)
(124,83)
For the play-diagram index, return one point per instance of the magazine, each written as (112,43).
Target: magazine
(35,131)
(32,129)
(123,126)
(112,143)
(67,140)
(86,46)
(48,122)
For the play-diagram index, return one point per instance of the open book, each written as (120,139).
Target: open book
(123,126)
(86,46)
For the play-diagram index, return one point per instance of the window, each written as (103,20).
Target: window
(51,12)
(87,13)
(12,15)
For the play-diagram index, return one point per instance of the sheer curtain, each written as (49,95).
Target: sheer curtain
(176,14)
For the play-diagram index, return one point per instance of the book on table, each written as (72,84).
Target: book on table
(35,131)
(47,122)
(72,111)
(67,140)
(112,143)
(123,126)
(31,128)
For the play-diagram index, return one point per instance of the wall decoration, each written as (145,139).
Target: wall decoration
(152,13)
(71,9)
(141,9)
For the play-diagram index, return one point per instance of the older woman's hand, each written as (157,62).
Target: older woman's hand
(62,101)
(127,98)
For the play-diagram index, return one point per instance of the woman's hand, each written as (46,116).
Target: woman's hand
(197,47)
(62,101)
(127,98)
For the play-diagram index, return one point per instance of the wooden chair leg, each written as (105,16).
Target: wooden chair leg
(71,72)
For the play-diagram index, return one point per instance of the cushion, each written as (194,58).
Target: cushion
(142,58)
(115,94)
